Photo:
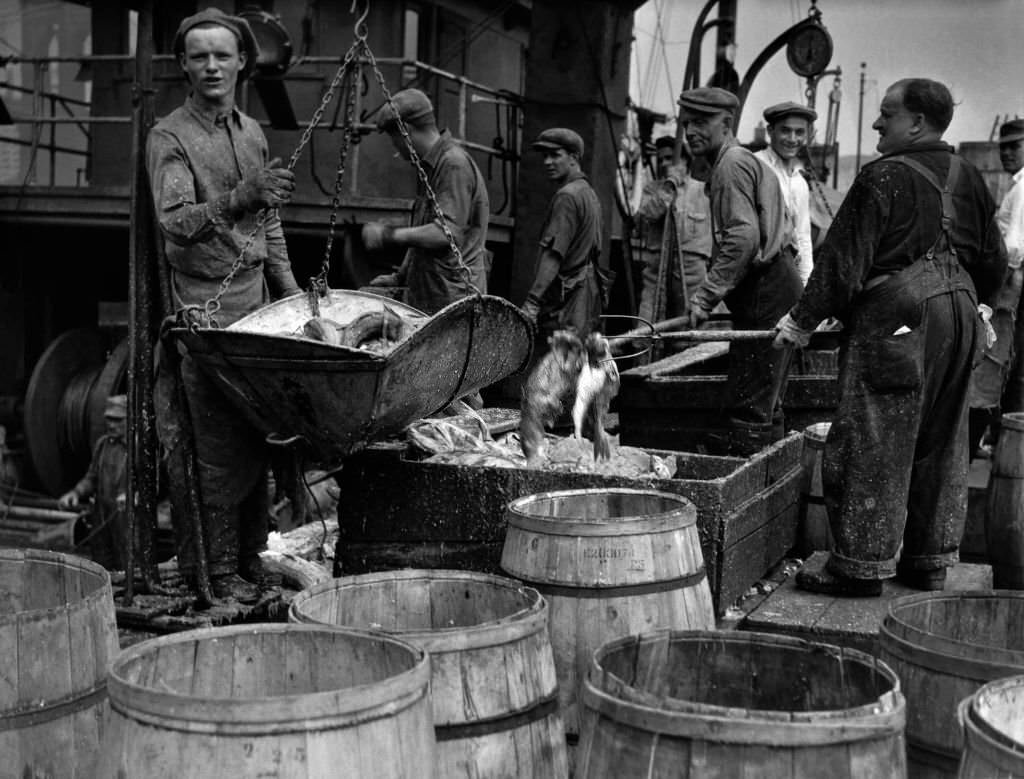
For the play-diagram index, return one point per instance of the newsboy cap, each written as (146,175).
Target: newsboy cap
(1012,131)
(774,113)
(708,100)
(560,138)
(412,105)
(237,25)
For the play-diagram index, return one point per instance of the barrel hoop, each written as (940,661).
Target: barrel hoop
(932,755)
(541,709)
(951,665)
(48,712)
(619,591)
(182,724)
(725,729)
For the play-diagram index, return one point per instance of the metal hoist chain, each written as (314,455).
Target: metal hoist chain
(414,157)
(212,306)
(318,284)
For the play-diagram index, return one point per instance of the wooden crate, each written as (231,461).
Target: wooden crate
(398,512)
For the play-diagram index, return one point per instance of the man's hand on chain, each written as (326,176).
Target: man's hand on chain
(268,187)
(531,308)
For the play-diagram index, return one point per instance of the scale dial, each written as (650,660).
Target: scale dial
(809,50)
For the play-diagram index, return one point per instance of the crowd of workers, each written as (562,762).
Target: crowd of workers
(912,252)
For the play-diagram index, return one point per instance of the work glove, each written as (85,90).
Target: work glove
(69,500)
(789,334)
(268,187)
(985,312)
(696,317)
(377,236)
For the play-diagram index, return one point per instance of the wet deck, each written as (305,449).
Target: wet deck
(852,622)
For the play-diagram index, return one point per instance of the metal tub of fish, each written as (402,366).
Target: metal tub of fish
(295,374)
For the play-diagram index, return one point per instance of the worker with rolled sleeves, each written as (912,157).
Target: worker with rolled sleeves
(753,270)
(912,252)
(431,273)
(567,289)
(211,176)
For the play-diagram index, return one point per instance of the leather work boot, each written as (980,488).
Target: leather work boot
(824,582)
(252,569)
(930,580)
(234,587)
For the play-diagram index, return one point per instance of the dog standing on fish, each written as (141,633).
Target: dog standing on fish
(572,369)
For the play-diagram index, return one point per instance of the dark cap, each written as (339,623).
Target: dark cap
(708,100)
(1012,131)
(560,138)
(774,113)
(411,104)
(665,142)
(237,25)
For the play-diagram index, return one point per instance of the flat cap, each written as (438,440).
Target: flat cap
(708,100)
(560,138)
(774,113)
(1012,131)
(412,105)
(237,25)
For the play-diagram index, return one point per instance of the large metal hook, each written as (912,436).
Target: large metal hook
(360,26)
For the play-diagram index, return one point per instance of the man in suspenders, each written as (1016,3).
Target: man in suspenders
(912,252)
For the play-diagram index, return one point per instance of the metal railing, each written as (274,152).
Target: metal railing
(45,116)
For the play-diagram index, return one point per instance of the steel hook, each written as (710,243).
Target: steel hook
(360,26)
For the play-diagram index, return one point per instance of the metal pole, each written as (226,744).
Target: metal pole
(860,114)
(142,442)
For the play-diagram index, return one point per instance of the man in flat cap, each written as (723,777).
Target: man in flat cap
(566,291)
(789,131)
(430,272)
(912,251)
(752,269)
(675,235)
(211,176)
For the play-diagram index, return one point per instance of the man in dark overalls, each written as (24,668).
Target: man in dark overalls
(911,253)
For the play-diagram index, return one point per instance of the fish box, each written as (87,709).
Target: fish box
(674,404)
(397,512)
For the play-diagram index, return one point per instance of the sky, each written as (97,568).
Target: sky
(975,47)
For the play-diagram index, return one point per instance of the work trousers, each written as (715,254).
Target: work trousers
(758,372)
(232,470)
(895,464)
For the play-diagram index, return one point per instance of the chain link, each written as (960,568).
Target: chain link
(414,157)
(213,305)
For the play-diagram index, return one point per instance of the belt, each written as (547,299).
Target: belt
(874,281)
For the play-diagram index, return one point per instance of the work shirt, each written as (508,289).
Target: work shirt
(433,277)
(1010,218)
(891,217)
(195,159)
(797,195)
(748,220)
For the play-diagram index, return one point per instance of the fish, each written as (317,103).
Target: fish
(551,382)
(597,383)
(374,328)
(322,329)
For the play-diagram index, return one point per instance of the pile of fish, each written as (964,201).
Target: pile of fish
(374,331)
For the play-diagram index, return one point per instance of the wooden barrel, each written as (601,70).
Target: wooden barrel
(610,563)
(493,685)
(993,725)
(738,704)
(274,700)
(815,534)
(944,646)
(1004,518)
(58,633)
